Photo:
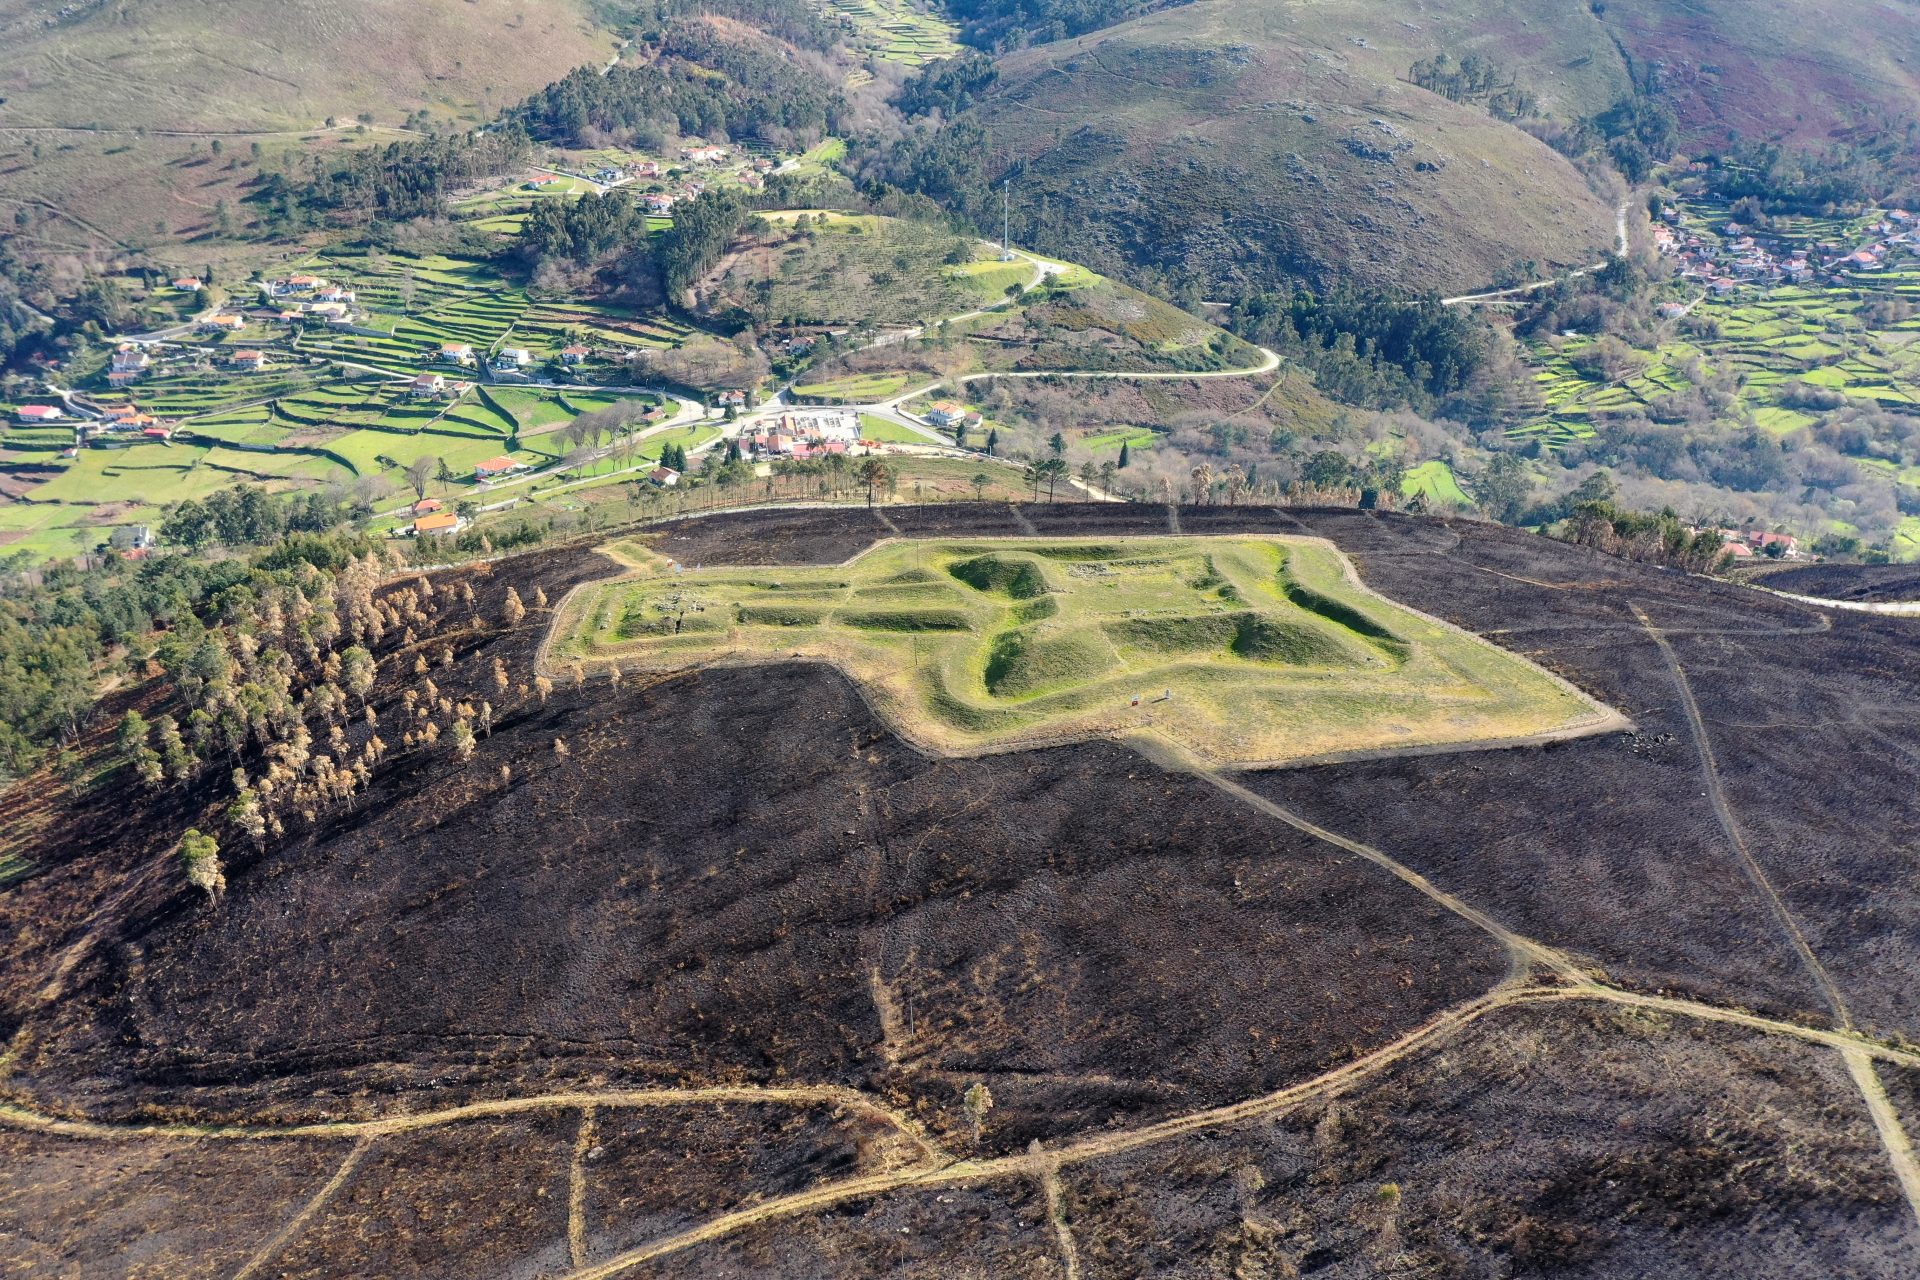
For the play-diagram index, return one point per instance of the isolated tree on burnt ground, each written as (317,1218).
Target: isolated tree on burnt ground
(513,610)
(977,1102)
(200,855)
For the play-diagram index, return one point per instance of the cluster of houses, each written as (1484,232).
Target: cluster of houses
(1738,256)
(303,295)
(1745,544)
(816,433)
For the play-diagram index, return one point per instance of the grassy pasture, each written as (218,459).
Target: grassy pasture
(1268,648)
(1435,479)
(857,388)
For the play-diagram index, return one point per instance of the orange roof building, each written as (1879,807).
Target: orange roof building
(436,522)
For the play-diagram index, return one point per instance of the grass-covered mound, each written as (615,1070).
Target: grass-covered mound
(1243,649)
(1030,660)
(1013,576)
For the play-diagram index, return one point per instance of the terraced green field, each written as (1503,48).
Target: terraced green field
(1134,438)
(1241,650)
(893,31)
(1819,336)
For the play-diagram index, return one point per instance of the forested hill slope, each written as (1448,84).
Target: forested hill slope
(1230,144)
(229,65)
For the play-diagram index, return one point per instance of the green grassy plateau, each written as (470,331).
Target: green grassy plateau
(1241,650)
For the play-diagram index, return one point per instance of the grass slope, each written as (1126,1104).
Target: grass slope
(1239,649)
(200,65)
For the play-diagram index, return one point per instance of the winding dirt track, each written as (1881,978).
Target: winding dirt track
(1540,974)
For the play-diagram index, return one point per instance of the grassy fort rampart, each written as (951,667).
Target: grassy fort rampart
(1241,650)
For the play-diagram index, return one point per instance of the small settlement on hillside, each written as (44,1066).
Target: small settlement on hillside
(1735,255)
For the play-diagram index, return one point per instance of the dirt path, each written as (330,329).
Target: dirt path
(1620,246)
(1042,1163)
(284,1236)
(852,1100)
(1723,811)
(1887,1121)
(1062,1229)
(577,1190)
(1525,950)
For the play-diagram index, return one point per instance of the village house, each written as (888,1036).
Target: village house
(428,386)
(606,176)
(731,399)
(659,204)
(157,432)
(248,361)
(459,353)
(427,505)
(574,354)
(37,413)
(494,468)
(543,181)
(648,169)
(511,358)
(131,538)
(665,477)
(703,155)
(437,522)
(189,284)
(294,285)
(223,323)
(945,413)
(128,364)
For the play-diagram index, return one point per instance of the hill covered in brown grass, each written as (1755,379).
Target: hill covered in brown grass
(249,65)
(1232,145)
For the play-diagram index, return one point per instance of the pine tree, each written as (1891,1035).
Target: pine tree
(200,854)
(1126,455)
